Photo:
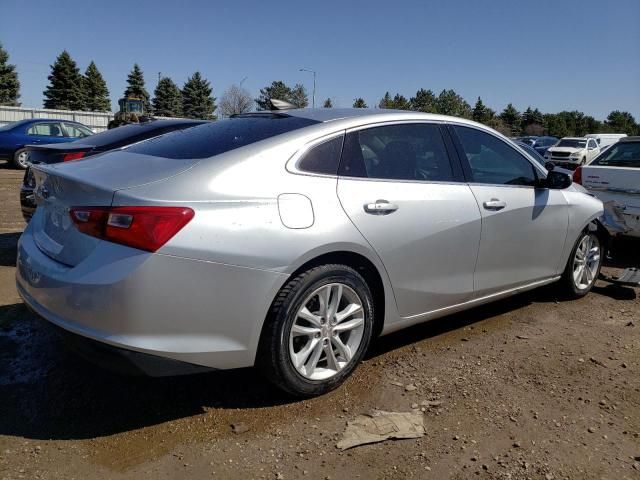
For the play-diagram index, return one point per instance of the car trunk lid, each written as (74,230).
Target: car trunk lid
(62,186)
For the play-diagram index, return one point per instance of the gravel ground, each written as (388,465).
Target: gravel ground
(526,388)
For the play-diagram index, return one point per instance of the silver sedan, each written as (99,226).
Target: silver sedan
(289,239)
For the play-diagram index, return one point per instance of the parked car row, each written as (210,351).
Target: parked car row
(288,239)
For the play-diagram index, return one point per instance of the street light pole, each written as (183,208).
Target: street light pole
(313,98)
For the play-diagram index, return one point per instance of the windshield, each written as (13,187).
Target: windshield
(622,154)
(572,142)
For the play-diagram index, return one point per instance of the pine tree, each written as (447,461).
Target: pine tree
(400,102)
(9,83)
(512,118)
(359,103)
(167,100)
(135,87)
(327,103)
(480,112)
(386,101)
(65,90)
(95,89)
(299,96)
(450,103)
(424,101)
(197,101)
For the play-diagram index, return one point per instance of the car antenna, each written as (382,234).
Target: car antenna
(280,104)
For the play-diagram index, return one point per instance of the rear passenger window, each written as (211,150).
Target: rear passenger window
(493,161)
(322,158)
(397,152)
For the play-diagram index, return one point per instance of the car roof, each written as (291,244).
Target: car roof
(574,138)
(325,115)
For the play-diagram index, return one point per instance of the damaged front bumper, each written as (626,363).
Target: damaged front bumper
(613,219)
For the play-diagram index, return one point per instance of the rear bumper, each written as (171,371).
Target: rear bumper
(191,311)
(123,361)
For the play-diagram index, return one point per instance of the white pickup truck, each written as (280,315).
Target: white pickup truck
(570,152)
(614,177)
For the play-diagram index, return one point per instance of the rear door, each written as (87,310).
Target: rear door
(46,132)
(523,227)
(400,189)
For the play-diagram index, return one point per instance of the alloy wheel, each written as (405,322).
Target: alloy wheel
(586,262)
(326,332)
(22,158)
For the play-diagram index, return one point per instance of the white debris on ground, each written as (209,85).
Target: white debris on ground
(379,426)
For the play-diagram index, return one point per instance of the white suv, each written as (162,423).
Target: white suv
(572,151)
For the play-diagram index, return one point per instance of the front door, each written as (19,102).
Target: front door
(400,189)
(523,227)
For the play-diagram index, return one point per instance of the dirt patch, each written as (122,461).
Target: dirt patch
(530,387)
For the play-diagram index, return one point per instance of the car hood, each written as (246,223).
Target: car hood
(565,149)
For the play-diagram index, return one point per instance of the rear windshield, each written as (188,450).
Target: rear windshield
(120,135)
(622,154)
(220,136)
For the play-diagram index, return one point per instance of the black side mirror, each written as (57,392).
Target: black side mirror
(557,181)
(549,166)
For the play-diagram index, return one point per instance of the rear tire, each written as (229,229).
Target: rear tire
(20,158)
(583,266)
(317,331)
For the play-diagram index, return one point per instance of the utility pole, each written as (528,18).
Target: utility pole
(313,98)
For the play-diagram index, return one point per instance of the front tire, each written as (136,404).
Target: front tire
(317,331)
(583,266)
(20,159)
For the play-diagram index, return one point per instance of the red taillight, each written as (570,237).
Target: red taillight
(146,228)
(577,176)
(67,157)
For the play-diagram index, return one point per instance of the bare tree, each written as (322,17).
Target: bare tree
(234,101)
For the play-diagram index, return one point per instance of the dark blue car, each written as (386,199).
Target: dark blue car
(15,136)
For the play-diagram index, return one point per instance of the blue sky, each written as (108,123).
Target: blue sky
(554,55)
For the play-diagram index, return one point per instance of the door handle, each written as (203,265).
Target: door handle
(380,207)
(494,204)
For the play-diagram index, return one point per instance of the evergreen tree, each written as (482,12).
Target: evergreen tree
(327,103)
(480,112)
(135,87)
(400,102)
(167,100)
(299,96)
(359,103)
(278,90)
(96,93)
(386,101)
(511,117)
(450,103)
(65,90)
(424,101)
(9,83)
(197,101)
(622,122)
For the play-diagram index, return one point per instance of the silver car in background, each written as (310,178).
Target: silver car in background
(289,239)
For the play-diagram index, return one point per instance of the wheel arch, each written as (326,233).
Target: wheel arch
(374,275)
